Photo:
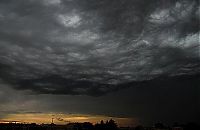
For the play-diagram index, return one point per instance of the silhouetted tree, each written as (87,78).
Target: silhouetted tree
(109,125)
(112,125)
(102,123)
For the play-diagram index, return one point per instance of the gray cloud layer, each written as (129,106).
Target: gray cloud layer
(94,47)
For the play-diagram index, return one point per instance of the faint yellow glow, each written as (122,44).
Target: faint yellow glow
(66,118)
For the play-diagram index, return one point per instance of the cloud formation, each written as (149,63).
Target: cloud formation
(94,47)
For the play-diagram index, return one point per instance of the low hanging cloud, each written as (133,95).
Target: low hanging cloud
(91,47)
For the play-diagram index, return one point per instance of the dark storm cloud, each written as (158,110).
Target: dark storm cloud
(94,47)
(167,101)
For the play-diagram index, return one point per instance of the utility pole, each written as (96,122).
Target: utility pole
(52,120)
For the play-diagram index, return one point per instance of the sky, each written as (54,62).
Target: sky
(135,61)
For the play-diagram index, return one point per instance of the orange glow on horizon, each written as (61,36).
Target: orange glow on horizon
(66,118)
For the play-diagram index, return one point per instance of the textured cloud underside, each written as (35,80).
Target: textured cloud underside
(94,46)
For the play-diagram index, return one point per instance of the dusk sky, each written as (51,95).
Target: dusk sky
(135,61)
